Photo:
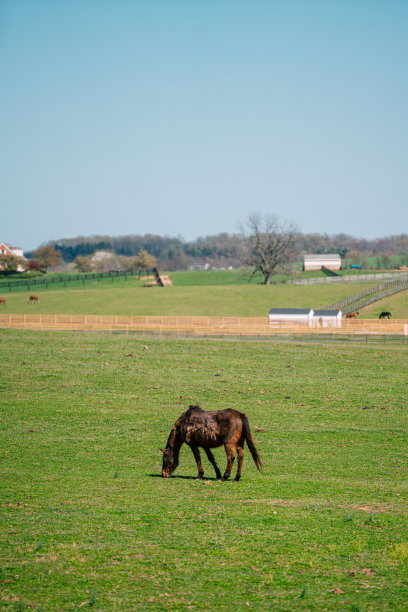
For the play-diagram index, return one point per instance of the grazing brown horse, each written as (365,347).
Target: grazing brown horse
(385,315)
(198,428)
(34,298)
(352,315)
(2,301)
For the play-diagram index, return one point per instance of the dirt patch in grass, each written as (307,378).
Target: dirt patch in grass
(377,509)
(322,504)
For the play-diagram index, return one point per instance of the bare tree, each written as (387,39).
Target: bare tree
(268,243)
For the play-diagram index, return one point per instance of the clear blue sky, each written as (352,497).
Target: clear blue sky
(181,117)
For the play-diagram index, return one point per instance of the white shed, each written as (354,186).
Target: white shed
(327,318)
(331,261)
(294,316)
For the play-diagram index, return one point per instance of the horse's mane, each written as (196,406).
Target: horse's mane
(195,407)
(171,438)
(196,420)
(182,420)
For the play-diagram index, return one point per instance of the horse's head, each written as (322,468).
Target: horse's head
(171,453)
(169,463)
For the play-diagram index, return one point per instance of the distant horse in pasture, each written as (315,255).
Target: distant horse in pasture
(34,299)
(199,428)
(352,315)
(385,315)
(2,301)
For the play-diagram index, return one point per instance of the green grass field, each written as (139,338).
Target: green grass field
(396,304)
(223,300)
(87,521)
(215,292)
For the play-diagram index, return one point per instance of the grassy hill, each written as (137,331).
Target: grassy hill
(218,292)
(224,300)
(396,304)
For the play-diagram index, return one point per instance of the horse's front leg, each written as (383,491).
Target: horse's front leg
(230,450)
(197,457)
(211,459)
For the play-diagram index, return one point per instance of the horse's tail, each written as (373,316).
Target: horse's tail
(250,442)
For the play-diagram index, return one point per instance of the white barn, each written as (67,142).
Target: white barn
(331,261)
(327,318)
(296,316)
(305,316)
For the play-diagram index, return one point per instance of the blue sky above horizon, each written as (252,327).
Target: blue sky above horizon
(182,117)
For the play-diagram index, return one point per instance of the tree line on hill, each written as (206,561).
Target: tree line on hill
(224,250)
(265,245)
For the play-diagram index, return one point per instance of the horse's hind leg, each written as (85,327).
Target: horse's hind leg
(240,453)
(211,459)
(230,450)
(197,457)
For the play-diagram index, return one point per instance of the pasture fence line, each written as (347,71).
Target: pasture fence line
(369,296)
(350,278)
(70,278)
(201,325)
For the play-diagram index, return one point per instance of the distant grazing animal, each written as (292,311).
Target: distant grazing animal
(352,315)
(2,301)
(34,298)
(385,315)
(199,428)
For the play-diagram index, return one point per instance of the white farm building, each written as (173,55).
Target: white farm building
(331,261)
(7,249)
(327,318)
(304,316)
(294,316)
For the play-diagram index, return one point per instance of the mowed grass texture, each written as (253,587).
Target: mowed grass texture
(217,300)
(87,521)
(207,293)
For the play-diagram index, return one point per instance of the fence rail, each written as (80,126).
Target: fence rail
(369,296)
(350,278)
(200,326)
(70,278)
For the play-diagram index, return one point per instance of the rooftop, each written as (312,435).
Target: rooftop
(326,313)
(290,311)
(324,256)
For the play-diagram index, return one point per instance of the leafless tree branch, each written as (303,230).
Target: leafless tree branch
(268,242)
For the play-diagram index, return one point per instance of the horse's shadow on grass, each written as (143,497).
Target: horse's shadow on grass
(182,477)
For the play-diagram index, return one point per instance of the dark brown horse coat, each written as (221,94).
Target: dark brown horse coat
(198,428)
